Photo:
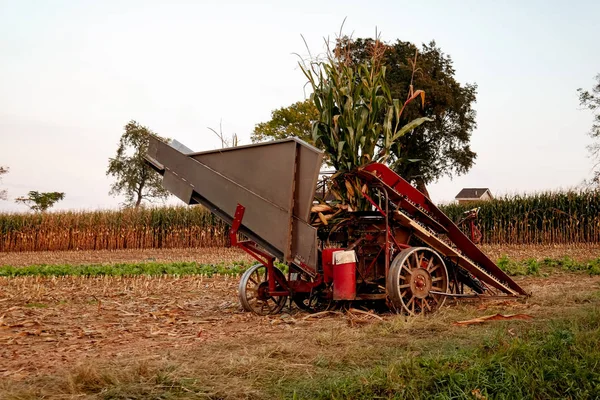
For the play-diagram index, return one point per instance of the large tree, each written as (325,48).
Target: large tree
(591,101)
(133,177)
(40,201)
(3,193)
(432,150)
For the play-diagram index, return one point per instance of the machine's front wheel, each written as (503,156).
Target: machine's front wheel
(416,279)
(253,291)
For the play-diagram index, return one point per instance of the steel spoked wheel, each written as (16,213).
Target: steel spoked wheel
(253,291)
(416,277)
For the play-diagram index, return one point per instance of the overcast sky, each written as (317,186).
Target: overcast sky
(73,73)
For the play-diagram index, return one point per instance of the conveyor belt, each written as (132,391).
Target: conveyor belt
(428,222)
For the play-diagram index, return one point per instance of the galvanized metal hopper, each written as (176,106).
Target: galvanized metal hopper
(274,181)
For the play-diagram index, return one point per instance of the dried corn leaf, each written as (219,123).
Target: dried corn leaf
(494,317)
(323,219)
(321,208)
(349,189)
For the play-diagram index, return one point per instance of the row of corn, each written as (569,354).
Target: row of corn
(543,218)
(166,227)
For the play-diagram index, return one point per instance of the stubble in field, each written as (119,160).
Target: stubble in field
(142,337)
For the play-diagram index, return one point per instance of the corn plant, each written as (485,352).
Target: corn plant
(359,121)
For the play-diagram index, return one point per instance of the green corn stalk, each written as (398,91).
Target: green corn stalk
(359,121)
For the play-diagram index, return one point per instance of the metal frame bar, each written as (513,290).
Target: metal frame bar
(261,256)
(268,260)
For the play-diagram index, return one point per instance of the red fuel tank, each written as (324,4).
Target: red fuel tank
(344,275)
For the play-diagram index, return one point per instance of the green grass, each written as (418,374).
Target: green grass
(127,269)
(547,360)
(511,267)
(532,266)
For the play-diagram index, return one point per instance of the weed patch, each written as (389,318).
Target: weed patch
(134,269)
(527,267)
(532,266)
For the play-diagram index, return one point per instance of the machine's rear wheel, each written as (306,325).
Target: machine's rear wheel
(414,274)
(314,301)
(253,288)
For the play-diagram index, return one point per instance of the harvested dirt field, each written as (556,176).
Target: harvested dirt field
(166,337)
(48,322)
(578,252)
(113,331)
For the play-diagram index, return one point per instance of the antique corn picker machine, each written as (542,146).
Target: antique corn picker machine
(403,252)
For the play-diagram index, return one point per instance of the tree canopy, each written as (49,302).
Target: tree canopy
(40,201)
(293,121)
(3,193)
(591,101)
(430,151)
(134,179)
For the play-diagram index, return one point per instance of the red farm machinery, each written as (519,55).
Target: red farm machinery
(404,253)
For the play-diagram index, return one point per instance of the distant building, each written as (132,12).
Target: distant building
(471,195)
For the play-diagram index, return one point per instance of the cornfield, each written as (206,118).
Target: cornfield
(167,227)
(544,218)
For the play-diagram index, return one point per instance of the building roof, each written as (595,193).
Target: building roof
(472,193)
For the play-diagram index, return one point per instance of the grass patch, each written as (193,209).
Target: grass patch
(127,269)
(557,359)
(532,266)
(526,267)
